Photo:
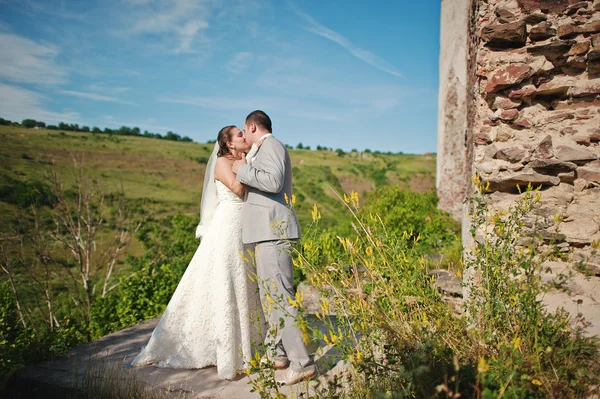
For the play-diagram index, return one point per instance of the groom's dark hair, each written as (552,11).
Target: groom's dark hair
(259,118)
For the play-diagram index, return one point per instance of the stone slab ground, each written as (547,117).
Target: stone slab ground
(113,353)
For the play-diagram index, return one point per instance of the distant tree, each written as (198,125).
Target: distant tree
(172,136)
(299,146)
(319,148)
(146,133)
(354,150)
(340,152)
(40,124)
(4,121)
(28,123)
(368,150)
(85,129)
(63,126)
(52,127)
(186,139)
(74,127)
(124,131)
(135,131)
(377,152)
(108,131)
(211,141)
(96,129)
(289,147)
(307,148)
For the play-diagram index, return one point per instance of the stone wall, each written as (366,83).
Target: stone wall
(537,113)
(532,115)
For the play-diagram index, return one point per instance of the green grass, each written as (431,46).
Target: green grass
(169,175)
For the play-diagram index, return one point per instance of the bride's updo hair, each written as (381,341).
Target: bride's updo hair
(223,138)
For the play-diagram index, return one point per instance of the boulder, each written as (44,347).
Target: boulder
(544,149)
(585,87)
(568,30)
(535,18)
(505,103)
(574,154)
(551,166)
(511,154)
(579,48)
(513,34)
(481,139)
(505,15)
(523,92)
(542,31)
(572,9)
(589,173)
(509,182)
(507,76)
(552,50)
(558,85)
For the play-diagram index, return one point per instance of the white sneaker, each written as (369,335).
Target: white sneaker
(291,377)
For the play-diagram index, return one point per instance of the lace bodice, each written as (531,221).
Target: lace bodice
(226,195)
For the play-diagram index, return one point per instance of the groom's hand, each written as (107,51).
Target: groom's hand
(238,163)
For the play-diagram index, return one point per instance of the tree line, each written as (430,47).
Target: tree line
(74,127)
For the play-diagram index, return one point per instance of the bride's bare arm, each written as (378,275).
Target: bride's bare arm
(225,175)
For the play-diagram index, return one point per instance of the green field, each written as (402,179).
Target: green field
(168,175)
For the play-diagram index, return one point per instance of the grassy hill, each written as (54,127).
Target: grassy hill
(168,175)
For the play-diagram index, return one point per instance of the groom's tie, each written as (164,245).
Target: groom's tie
(252,154)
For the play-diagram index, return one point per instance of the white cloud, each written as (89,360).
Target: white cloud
(361,54)
(183,19)
(95,97)
(284,105)
(17,104)
(239,62)
(109,91)
(24,61)
(222,103)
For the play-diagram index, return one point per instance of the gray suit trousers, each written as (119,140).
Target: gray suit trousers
(274,265)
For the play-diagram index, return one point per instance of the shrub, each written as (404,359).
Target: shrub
(26,193)
(401,340)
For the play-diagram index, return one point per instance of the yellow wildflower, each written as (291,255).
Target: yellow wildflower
(369,251)
(292,302)
(285,197)
(537,382)
(316,215)
(354,198)
(516,342)
(483,366)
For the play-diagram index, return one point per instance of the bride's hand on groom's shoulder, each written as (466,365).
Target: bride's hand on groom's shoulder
(238,163)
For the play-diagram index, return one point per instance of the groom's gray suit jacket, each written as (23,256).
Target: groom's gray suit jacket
(267,216)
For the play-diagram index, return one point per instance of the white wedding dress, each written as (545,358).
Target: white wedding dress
(214,316)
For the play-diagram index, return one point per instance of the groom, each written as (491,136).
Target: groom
(270,223)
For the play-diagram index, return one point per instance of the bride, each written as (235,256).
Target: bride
(209,319)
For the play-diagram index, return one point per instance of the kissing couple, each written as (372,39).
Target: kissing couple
(217,314)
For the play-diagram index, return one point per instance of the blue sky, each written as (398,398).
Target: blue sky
(339,74)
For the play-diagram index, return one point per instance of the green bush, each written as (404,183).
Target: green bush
(169,247)
(26,193)
(414,213)
(20,345)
